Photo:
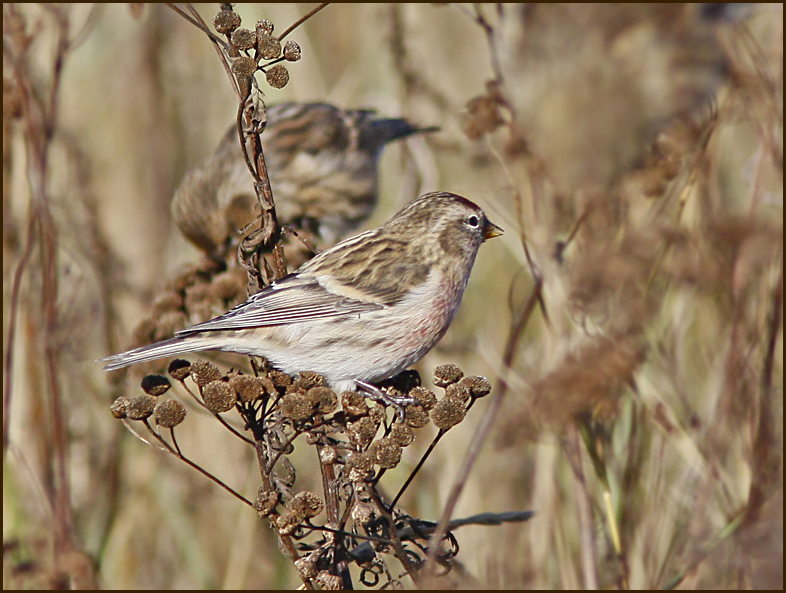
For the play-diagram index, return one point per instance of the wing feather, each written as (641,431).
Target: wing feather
(293,299)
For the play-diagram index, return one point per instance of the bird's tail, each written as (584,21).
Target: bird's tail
(379,132)
(170,347)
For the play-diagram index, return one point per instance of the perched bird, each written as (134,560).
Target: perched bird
(359,312)
(322,164)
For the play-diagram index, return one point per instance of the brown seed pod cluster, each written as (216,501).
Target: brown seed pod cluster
(357,439)
(249,49)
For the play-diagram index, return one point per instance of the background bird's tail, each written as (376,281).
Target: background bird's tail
(379,132)
(171,347)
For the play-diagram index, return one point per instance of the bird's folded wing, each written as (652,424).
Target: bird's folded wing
(293,299)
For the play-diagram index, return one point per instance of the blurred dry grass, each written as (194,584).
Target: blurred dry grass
(664,311)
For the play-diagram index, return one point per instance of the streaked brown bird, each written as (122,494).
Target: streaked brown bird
(359,312)
(322,162)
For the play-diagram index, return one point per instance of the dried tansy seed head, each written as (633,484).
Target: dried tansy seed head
(363,513)
(402,434)
(277,76)
(140,407)
(169,413)
(306,504)
(264,27)
(219,396)
(328,455)
(447,413)
(354,404)
(118,407)
(244,67)
(386,452)
(169,323)
(296,407)
(459,391)
(226,21)
(244,39)
(478,386)
(287,523)
(362,431)
(228,286)
(265,502)
(155,385)
(248,388)
(425,396)
(280,379)
(415,416)
(328,581)
(307,566)
(167,301)
(179,369)
(445,374)
(204,372)
(324,399)
(359,465)
(292,51)
(308,379)
(268,47)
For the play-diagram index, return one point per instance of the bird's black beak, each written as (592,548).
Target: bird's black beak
(491,230)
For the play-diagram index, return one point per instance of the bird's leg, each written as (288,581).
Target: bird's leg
(375,393)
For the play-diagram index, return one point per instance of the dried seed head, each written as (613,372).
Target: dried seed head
(243,39)
(328,455)
(140,407)
(459,391)
(363,513)
(445,374)
(402,434)
(324,399)
(386,452)
(307,566)
(118,407)
(306,504)
(478,386)
(168,300)
(248,388)
(308,379)
(359,465)
(244,67)
(292,51)
(169,323)
(179,369)
(328,581)
(484,116)
(169,413)
(226,21)
(204,372)
(415,416)
(219,396)
(354,404)
(296,407)
(268,47)
(377,413)
(362,431)
(155,385)
(447,413)
(264,27)
(287,523)
(280,379)
(228,286)
(425,396)
(144,332)
(277,76)
(265,502)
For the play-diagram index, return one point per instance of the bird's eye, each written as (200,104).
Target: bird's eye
(473,221)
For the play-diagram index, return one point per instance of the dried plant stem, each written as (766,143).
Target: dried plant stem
(589,559)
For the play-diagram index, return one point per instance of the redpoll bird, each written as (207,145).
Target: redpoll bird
(322,164)
(357,313)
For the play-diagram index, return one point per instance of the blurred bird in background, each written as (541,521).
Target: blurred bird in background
(322,163)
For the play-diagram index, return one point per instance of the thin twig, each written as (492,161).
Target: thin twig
(302,20)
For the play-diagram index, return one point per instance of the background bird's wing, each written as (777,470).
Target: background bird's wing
(293,299)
